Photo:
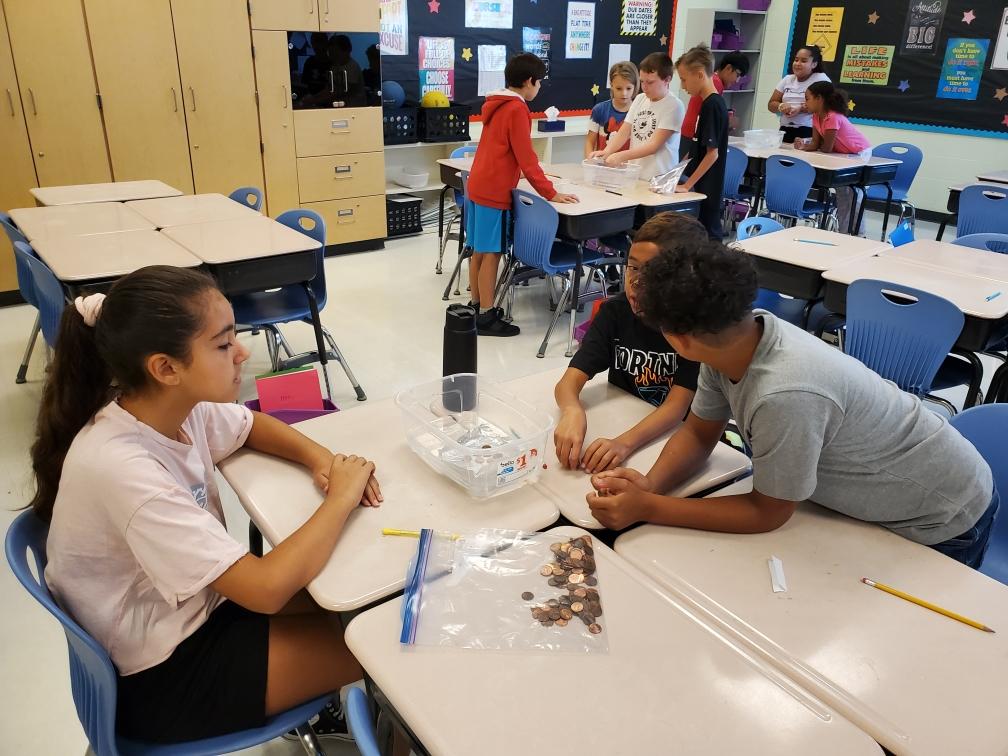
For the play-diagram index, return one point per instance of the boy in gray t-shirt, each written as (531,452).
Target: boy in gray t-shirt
(821,425)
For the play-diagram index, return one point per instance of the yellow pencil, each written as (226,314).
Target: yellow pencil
(927,605)
(414,533)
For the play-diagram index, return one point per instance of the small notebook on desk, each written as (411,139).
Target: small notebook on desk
(297,388)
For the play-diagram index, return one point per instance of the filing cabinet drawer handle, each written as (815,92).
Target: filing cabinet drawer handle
(285,97)
(31,95)
(346,216)
(10,104)
(339,127)
(174,99)
(343,172)
(192,94)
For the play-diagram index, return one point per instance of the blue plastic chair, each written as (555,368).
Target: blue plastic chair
(983,209)
(902,234)
(786,308)
(788,183)
(989,242)
(358,715)
(910,157)
(445,233)
(25,286)
(984,427)
(49,295)
(93,678)
(736,163)
(535,246)
(249,196)
(905,342)
(267,310)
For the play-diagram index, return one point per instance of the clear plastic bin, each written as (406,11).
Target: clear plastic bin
(764,138)
(610,177)
(476,433)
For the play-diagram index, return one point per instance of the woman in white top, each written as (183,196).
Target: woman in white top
(788,98)
(137,409)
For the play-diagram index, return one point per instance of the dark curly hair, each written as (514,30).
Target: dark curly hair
(696,288)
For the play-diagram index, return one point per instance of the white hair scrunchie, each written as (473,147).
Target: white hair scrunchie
(89,308)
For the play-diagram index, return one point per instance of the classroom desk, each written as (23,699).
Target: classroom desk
(998,177)
(918,682)
(945,256)
(112,191)
(191,208)
(365,565)
(668,684)
(39,223)
(789,265)
(610,412)
(93,257)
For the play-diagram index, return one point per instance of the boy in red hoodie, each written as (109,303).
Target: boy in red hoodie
(505,153)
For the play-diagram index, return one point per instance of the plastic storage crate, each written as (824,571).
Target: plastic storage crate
(449,124)
(402,214)
(596,173)
(399,125)
(494,447)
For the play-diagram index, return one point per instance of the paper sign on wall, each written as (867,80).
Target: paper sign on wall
(489,14)
(824,30)
(1000,59)
(492,60)
(394,30)
(923,25)
(962,68)
(639,17)
(867,64)
(580,29)
(537,40)
(436,60)
(618,53)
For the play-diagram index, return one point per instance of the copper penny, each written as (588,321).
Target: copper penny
(557,570)
(586,618)
(594,628)
(553,603)
(580,592)
(565,548)
(547,623)
(591,580)
(566,614)
(546,571)
(555,548)
(554,614)
(528,596)
(562,622)
(577,607)
(575,553)
(595,609)
(577,579)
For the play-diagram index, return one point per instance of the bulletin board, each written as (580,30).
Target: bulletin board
(445,44)
(930,65)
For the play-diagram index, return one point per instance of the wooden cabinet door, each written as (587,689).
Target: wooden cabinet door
(132,43)
(296,15)
(348,15)
(215,60)
(50,46)
(276,120)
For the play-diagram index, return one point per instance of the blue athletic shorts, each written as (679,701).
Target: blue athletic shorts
(483,227)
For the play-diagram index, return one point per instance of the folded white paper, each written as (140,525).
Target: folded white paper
(777,579)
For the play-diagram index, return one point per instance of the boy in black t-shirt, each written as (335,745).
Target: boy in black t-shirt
(638,358)
(706,169)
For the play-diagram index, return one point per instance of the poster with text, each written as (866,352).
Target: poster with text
(489,14)
(580,29)
(536,40)
(639,17)
(492,61)
(824,30)
(394,31)
(867,64)
(436,59)
(1000,60)
(962,68)
(923,25)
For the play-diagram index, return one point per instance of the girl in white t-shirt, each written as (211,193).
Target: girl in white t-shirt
(137,409)
(788,98)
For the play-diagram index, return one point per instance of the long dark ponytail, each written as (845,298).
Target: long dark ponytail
(155,310)
(833,98)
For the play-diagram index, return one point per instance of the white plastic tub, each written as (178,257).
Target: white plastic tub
(491,448)
(764,138)
(610,177)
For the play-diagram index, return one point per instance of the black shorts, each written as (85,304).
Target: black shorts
(213,683)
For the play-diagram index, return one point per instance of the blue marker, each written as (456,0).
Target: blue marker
(995,295)
(816,241)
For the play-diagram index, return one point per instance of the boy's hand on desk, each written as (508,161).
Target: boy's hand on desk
(569,437)
(618,502)
(566,199)
(603,454)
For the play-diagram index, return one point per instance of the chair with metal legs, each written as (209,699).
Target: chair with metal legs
(445,234)
(25,287)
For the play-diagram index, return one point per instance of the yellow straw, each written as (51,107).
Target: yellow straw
(414,533)
(927,605)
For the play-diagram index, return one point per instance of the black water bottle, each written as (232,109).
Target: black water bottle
(459,357)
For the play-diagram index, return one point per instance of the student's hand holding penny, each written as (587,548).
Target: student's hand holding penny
(603,454)
(569,437)
(617,502)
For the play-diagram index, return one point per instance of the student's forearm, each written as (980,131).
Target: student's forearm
(705,165)
(742,513)
(617,140)
(683,454)
(828,140)
(270,436)
(591,143)
(656,424)
(648,148)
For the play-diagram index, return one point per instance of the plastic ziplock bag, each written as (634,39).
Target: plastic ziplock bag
(498,589)
(666,183)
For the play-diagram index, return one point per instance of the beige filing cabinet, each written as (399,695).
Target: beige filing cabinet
(315,15)
(276,120)
(50,45)
(17,175)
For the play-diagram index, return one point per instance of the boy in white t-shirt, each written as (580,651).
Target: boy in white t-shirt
(653,123)
(788,98)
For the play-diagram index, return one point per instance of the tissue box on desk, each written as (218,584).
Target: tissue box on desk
(542,125)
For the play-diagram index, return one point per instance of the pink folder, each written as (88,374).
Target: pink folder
(289,389)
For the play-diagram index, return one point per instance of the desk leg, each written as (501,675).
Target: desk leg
(888,204)
(973,392)
(857,209)
(824,200)
(440,217)
(575,298)
(997,385)
(319,341)
(945,221)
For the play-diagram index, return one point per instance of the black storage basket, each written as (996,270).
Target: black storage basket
(449,124)
(399,125)
(402,214)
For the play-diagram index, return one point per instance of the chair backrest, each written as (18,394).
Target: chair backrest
(990,242)
(788,181)
(983,426)
(310,223)
(24,276)
(756,226)
(248,195)
(735,166)
(535,227)
(358,715)
(93,679)
(463,151)
(983,209)
(49,296)
(910,157)
(902,234)
(906,341)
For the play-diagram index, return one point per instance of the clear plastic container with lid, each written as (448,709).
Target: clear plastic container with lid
(763,138)
(597,173)
(491,449)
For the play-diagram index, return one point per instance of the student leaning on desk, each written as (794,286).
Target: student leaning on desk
(821,425)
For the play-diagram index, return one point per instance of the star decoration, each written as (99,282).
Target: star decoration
(1005,120)
(664,40)
(873,17)
(434,6)
(851,105)
(595,89)
(467,54)
(904,85)
(1001,93)
(969,17)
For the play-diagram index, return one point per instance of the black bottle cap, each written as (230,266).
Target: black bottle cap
(460,318)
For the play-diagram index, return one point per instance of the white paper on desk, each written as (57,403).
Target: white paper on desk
(618,53)
(492,60)
(777,580)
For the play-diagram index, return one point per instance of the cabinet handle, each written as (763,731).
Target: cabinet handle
(284,87)
(174,99)
(192,94)
(311,7)
(346,82)
(327,7)
(332,84)
(10,103)
(31,96)
(343,172)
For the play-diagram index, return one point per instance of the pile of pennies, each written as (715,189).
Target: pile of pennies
(573,570)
